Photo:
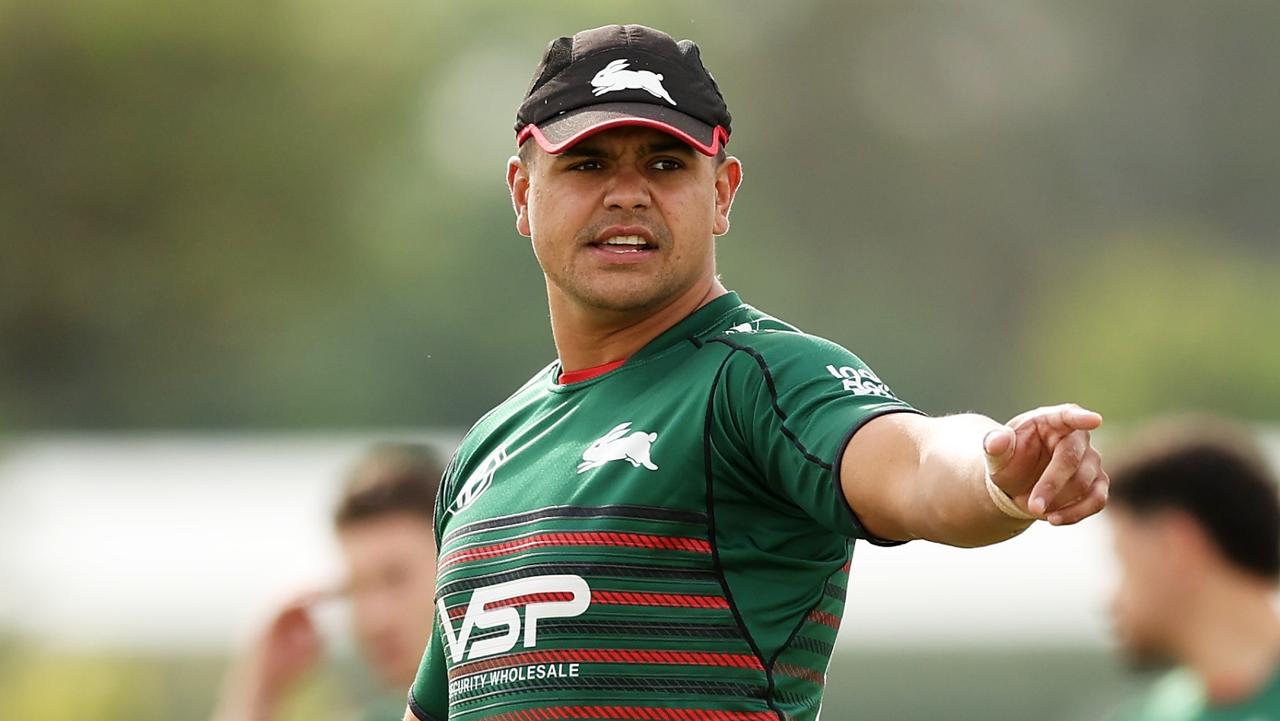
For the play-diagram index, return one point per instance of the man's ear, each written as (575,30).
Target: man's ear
(728,179)
(1189,543)
(518,184)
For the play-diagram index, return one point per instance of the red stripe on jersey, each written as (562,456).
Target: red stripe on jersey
(825,618)
(675,600)
(632,713)
(582,538)
(800,672)
(606,655)
(610,598)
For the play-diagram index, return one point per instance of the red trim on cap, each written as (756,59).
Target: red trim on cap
(719,136)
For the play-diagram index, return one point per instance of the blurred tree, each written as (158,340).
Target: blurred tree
(292,214)
(1161,322)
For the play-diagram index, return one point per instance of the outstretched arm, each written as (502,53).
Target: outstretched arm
(911,476)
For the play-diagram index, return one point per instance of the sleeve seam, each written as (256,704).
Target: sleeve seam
(721,577)
(773,401)
(834,467)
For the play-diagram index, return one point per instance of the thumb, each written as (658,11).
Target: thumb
(999,444)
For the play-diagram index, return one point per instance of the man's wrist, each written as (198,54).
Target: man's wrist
(1005,503)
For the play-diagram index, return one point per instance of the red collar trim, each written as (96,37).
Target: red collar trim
(587,374)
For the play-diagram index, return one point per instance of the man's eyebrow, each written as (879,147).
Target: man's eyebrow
(583,150)
(672,145)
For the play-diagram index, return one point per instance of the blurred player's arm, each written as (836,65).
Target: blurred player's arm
(286,649)
(910,476)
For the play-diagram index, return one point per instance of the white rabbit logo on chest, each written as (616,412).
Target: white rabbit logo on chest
(620,445)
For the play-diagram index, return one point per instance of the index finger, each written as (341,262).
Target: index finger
(1073,417)
(1066,459)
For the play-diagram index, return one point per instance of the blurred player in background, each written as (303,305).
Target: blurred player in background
(1197,531)
(383,524)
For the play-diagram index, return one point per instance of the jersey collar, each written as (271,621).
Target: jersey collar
(701,322)
(698,323)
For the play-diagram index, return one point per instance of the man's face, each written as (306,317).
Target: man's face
(630,184)
(1145,607)
(391,566)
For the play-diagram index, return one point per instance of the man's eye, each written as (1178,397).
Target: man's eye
(667,164)
(586,165)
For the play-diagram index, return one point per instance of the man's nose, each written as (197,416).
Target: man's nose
(628,190)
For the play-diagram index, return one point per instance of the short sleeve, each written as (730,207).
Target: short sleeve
(429,694)
(793,401)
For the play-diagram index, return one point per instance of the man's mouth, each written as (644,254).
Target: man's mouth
(625,240)
(624,244)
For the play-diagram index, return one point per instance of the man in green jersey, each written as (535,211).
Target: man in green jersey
(1196,524)
(659,524)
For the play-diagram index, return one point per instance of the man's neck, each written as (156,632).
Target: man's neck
(1234,643)
(588,337)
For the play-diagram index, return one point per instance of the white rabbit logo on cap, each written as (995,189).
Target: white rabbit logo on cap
(615,76)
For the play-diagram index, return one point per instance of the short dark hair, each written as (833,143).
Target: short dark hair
(1213,471)
(526,152)
(390,478)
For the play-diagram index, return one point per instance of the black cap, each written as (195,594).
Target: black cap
(620,75)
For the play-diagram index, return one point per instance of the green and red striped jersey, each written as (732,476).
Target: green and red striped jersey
(665,541)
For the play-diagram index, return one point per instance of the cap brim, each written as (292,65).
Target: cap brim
(556,135)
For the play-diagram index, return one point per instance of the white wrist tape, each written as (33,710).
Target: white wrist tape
(1005,503)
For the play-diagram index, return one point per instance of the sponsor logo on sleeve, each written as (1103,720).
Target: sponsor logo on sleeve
(860,381)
